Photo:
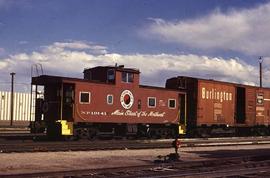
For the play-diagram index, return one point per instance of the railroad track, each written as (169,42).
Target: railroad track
(85,145)
(252,166)
(77,146)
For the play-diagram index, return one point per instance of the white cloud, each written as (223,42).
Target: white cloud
(68,59)
(245,30)
(79,45)
(3,65)
(20,57)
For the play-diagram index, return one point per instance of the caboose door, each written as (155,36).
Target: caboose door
(182,113)
(68,101)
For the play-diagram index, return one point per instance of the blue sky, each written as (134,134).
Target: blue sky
(217,39)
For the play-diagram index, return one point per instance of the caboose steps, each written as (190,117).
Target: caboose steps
(66,127)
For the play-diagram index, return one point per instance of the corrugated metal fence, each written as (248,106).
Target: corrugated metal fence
(22,104)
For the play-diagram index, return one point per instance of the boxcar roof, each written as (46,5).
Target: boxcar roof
(158,88)
(220,82)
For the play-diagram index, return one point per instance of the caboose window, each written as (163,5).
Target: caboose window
(127,77)
(130,77)
(151,102)
(182,83)
(111,75)
(172,103)
(85,97)
(109,99)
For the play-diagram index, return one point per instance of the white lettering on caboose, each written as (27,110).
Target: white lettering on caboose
(128,113)
(137,113)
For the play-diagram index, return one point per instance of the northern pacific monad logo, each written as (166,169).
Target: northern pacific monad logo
(126,99)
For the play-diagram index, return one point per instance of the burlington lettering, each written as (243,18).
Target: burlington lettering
(213,94)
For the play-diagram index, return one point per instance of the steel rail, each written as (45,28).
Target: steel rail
(239,166)
(41,146)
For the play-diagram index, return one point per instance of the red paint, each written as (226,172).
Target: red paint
(134,107)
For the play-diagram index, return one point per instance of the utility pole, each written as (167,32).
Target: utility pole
(12,98)
(260,63)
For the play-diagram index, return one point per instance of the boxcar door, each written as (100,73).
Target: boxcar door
(240,105)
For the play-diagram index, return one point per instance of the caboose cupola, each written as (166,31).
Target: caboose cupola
(118,75)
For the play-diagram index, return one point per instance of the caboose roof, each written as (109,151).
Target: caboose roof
(49,79)
(117,68)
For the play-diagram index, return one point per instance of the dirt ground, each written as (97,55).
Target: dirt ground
(14,163)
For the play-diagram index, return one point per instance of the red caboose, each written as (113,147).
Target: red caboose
(108,101)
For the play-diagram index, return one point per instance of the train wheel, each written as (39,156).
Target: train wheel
(153,134)
(166,133)
(82,133)
(92,134)
(173,134)
(75,135)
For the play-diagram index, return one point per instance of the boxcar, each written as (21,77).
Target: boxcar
(215,107)
(108,101)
